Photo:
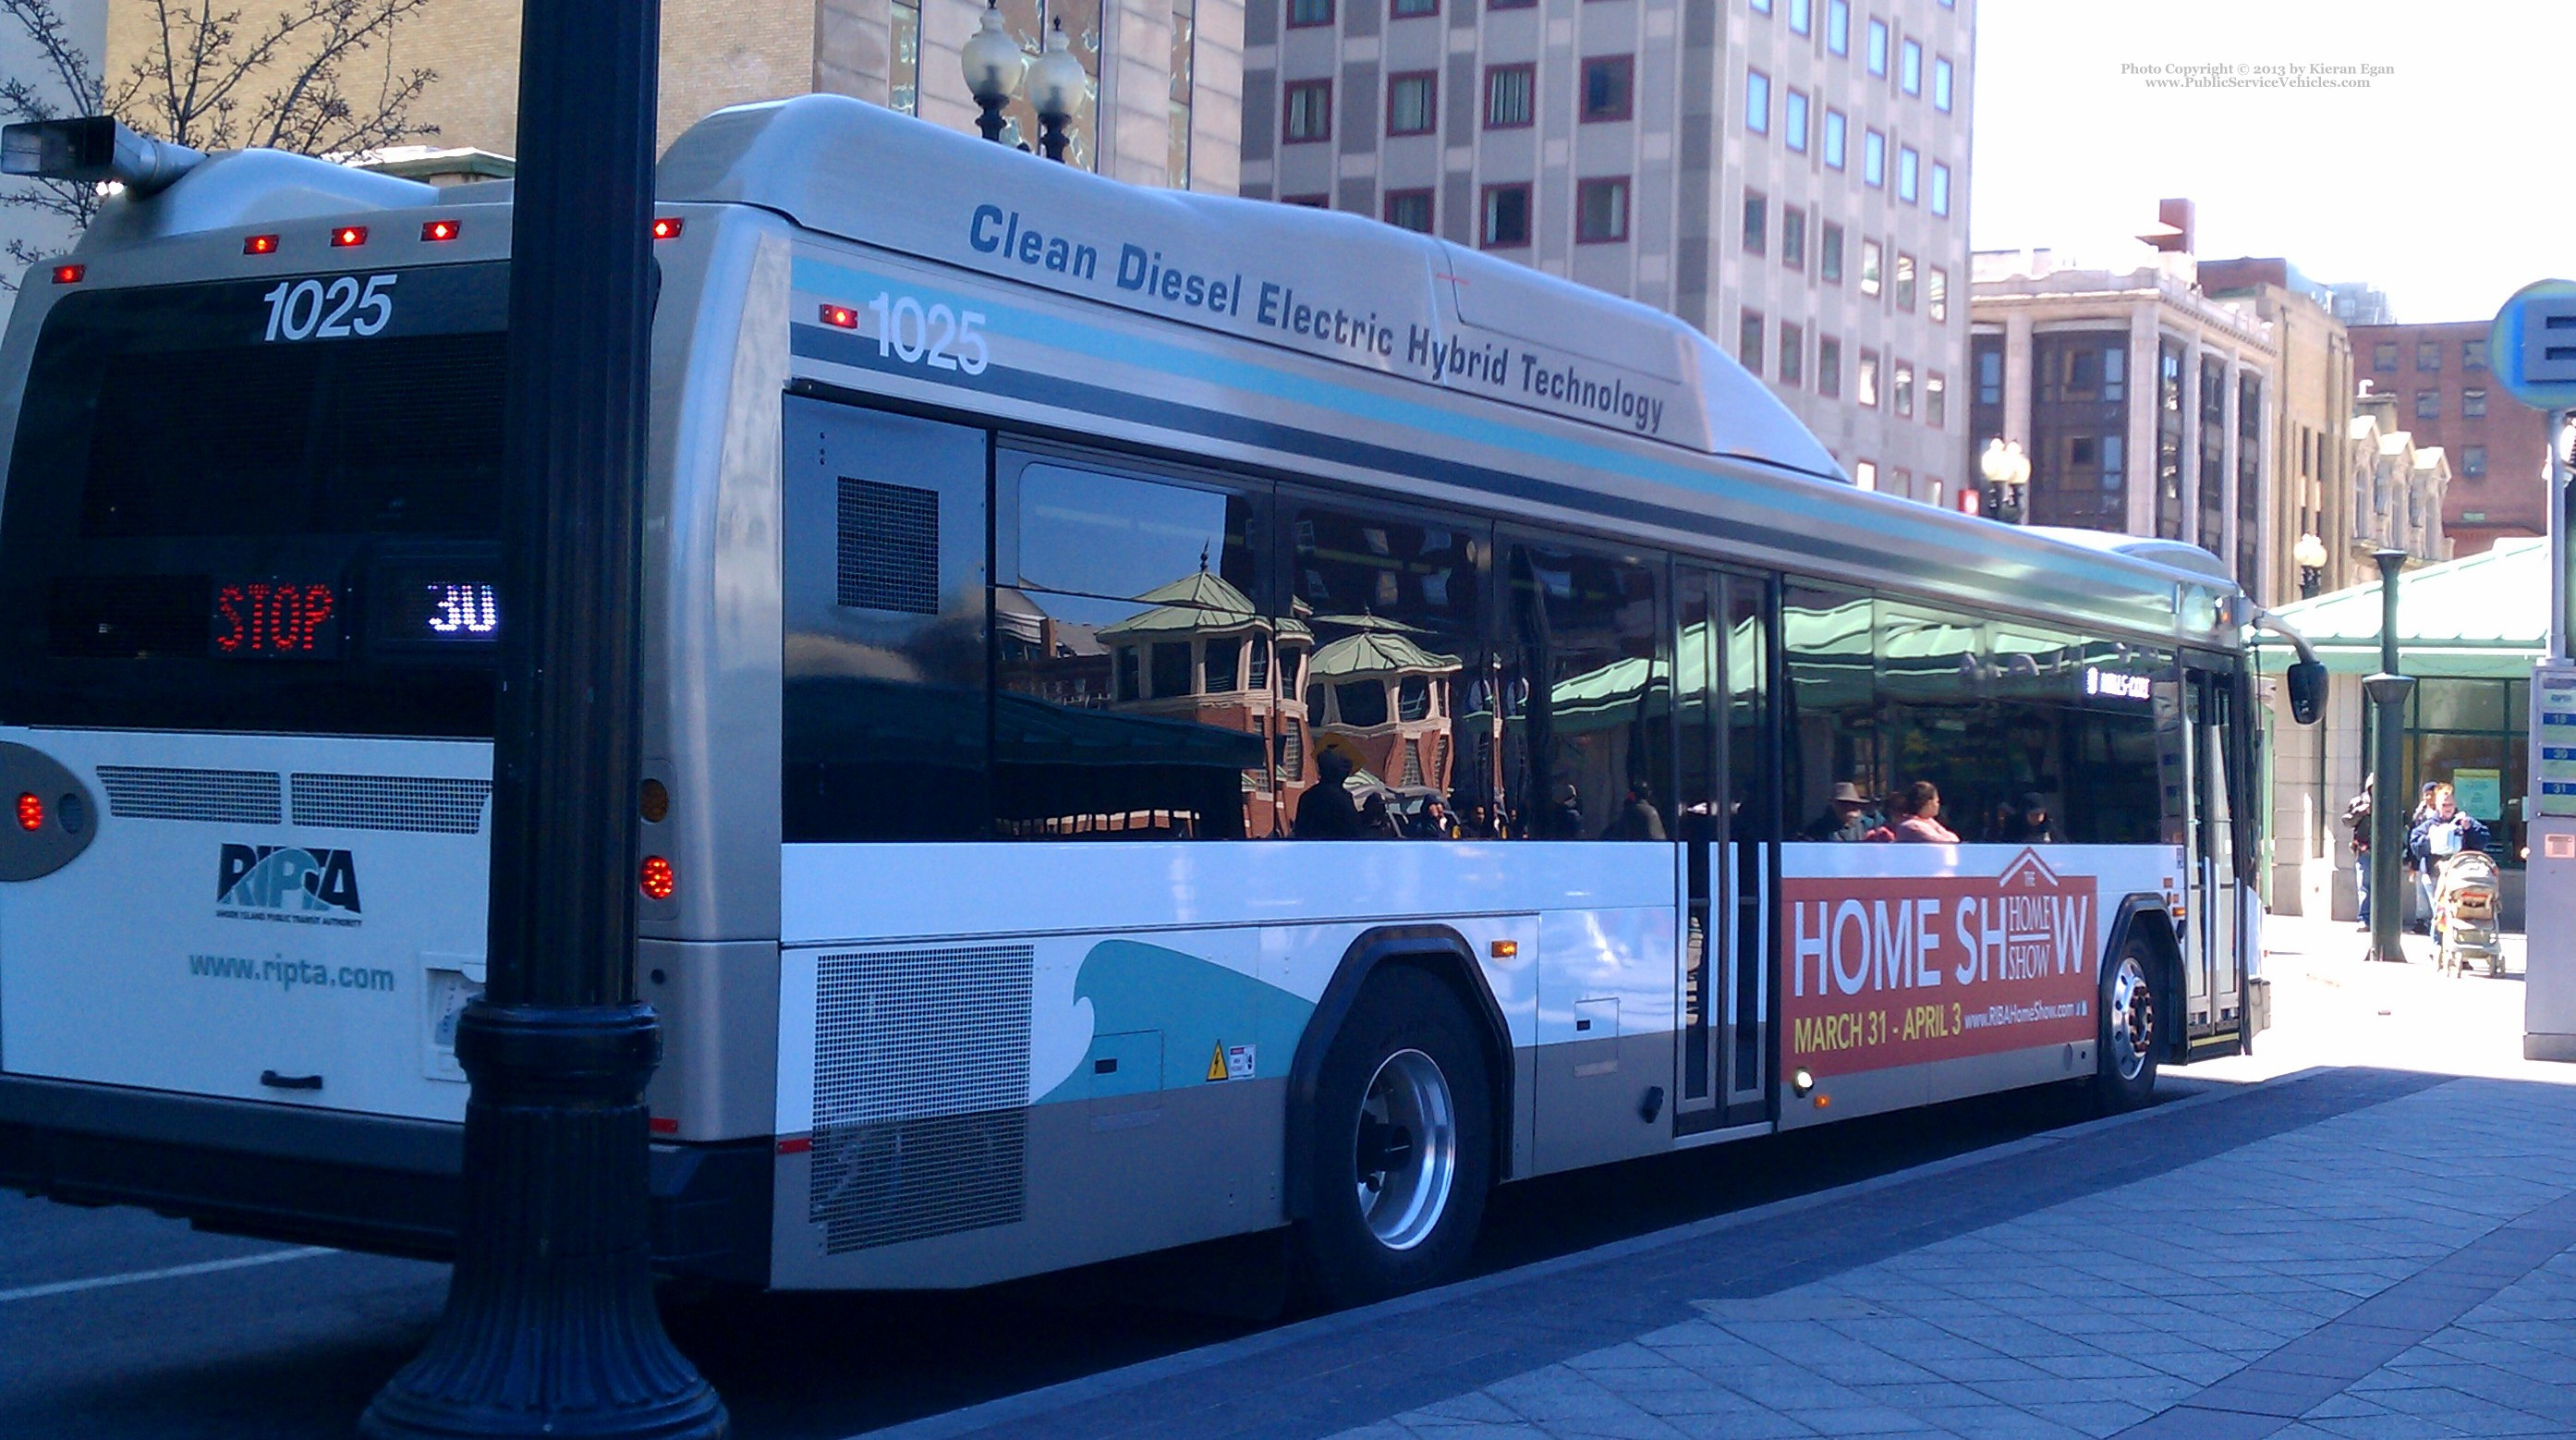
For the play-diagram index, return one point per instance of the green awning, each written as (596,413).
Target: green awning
(2485,616)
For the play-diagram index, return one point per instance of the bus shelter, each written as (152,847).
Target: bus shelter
(2468,631)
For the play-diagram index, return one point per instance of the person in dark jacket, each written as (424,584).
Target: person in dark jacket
(1328,812)
(1638,818)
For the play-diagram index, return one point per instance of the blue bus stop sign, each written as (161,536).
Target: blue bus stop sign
(2532,345)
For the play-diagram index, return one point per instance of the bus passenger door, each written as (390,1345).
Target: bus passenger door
(1728,859)
(2212,928)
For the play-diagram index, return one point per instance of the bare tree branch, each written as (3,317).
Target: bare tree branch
(211,81)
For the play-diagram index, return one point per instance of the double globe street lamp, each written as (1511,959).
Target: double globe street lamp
(2007,472)
(2310,555)
(995,66)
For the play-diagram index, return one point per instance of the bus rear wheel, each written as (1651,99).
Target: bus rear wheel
(2129,1033)
(1403,1144)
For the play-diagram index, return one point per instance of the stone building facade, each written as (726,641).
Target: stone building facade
(1166,74)
(2312,482)
(1791,176)
(2144,405)
(2446,395)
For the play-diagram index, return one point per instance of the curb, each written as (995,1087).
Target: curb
(1031,1404)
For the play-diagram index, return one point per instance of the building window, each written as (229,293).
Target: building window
(1757,102)
(1748,341)
(1507,217)
(1940,188)
(2428,404)
(1905,282)
(1409,210)
(1829,254)
(1829,366)
(1941,83)
(1909,67)
(1936,400)
(1793,237)
(1302,13)
(1306,113)
(1181,106)
(2383,356)
(2473,461)
(1865,386)
(1869,267)
(1865,474)
(1601,210)
(1838,26)
(1412,103)
(1834,130)
(1990,370)
(1802,16)
(1762,6)
(1908,164)
(1793,354)
(1407,9)
(2428,356)
(1793,120)
(2473,354)
(1308,202)
(1509,92)
(2473,403)
(1878,48)
(1902,390)
(1873,158)
(1510,4)
(904,83)
(1609,87)
(1757,223)
(1936,295)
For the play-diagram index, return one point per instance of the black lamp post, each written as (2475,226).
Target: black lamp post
(2390,808)
(1056,83)
(993,63)
(550,1326)
(2310,555)
(2007,473)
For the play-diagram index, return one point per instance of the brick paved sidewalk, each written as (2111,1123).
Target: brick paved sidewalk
(2344,1253)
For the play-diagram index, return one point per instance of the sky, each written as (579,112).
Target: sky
(2426,182)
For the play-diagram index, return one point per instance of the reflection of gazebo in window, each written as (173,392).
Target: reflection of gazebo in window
(1383,701)
(1203,654)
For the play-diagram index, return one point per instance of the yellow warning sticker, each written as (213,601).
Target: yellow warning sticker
(1216,1062)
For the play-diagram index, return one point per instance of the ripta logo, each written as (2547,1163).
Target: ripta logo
(287,882)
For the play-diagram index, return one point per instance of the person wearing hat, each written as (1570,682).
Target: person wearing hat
(1846,819)
(2032,824)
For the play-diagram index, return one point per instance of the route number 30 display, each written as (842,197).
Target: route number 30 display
(333,309)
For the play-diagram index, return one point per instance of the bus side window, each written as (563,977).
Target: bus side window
(1138,677)
(1830,723)
(884,715)
(1587,749)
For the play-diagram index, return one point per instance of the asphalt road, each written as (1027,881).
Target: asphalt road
(116,1323)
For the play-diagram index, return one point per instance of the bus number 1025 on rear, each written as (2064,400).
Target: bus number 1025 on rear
(332,309)
(936,336)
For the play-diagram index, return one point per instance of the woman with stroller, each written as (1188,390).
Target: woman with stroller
(2441,830)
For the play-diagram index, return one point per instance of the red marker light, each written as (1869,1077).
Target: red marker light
(348,235)
(69,274)
(667,228)
(439,229)
(656,878)
(31,812)
(260,245)
(842,316)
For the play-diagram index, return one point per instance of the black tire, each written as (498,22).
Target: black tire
(2133,1010)
(1403,1013)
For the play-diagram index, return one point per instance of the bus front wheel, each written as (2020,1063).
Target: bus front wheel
(2130,1033)
(1403,1143)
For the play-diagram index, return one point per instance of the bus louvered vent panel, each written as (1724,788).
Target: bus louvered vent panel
(160,792)
(921,1089)
(391,802)
(889,551)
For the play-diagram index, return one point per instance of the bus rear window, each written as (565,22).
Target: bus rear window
(205,529)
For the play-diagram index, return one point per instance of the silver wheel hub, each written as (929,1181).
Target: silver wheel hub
(2133,1018)
(1406,1156)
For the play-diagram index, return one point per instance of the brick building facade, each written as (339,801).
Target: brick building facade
(2448,397)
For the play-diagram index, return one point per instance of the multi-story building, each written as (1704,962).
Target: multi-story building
(2312,407)
(1166,75)
(1791,176)
(2354,302)
(2447,396)
(2398,484)
(2143,405)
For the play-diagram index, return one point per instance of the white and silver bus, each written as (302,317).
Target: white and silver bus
(1166,717)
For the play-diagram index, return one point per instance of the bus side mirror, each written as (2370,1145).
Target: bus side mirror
(2307,691)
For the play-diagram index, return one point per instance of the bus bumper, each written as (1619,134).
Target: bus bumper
(356,1182)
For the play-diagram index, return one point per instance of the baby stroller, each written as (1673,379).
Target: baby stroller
(2464,913)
